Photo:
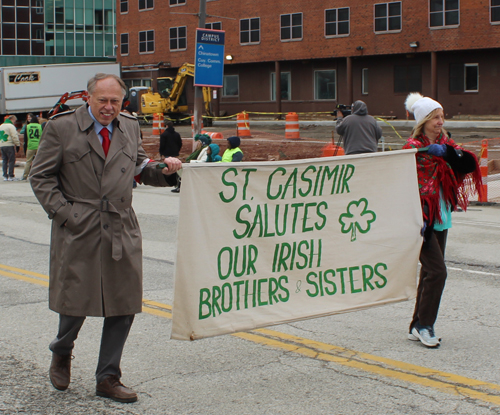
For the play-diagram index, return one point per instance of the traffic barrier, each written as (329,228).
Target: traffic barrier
(292,125)
(192,126)
(483,166)
(157,124)
(243,123)
(332,150)
(213,136)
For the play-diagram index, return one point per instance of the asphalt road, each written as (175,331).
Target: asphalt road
(355,363)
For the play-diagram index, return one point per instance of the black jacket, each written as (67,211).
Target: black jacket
(170,143)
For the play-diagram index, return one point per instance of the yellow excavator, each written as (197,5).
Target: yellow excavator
(170,99)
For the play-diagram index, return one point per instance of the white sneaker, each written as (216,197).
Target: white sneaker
(425,335)
(10,179)
(5,179)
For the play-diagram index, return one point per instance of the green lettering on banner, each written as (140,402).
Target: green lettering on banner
(204,301)
(367,272)
(307,180)
(330,282)
(352,280)
(342,282)
(242,221)
(269,184)
(310,278)
(384,280)
(259,291)
(318,174)
(237,284)
(229,184)
(284,280)
(246,263)
(321,215)
(292,181)
(247,178)
(347,175)
(216,295)
(273,289)
(229,262)
(227,294)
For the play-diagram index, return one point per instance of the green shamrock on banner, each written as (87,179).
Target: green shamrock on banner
(357,217)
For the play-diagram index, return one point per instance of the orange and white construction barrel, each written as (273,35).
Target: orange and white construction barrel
(332,150)
(292,126)
(483,167)
(243,124)
(213,136)
(156,124)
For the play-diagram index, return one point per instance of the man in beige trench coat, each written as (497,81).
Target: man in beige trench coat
(96,243)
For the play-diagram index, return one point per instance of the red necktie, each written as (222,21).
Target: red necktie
(105,140)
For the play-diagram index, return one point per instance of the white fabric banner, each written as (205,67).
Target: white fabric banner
(265,243)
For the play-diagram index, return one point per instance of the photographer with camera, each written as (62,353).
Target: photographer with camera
(359,130)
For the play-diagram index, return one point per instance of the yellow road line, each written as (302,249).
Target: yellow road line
(441,381)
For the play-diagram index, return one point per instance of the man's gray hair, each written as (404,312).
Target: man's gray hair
(100,76)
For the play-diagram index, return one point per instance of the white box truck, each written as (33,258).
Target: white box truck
(37,88)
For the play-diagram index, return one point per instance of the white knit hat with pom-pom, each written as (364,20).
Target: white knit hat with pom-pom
(420,106)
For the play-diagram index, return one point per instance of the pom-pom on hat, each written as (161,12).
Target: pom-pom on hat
(420,106)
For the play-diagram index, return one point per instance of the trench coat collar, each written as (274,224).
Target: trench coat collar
(86,124)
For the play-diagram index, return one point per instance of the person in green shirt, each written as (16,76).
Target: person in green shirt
(32,136)
(233,151)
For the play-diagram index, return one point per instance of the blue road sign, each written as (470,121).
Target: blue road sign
(209,60)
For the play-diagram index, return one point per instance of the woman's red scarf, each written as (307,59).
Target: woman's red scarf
(434,172)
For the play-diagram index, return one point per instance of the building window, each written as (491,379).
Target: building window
(123,6)
(285,86)
(146,4)
(464,77)
(291,26)
(124,44)
(214,26)
(337,22)
(444,13)
(325,85)
(178,38)
(230,86)
(495,11)
(137,82)
(407,78)
(39,7)
(250,30)
(364,81)
(177,2)
(147,41)
(388,17)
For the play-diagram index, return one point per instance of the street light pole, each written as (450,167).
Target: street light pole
(198,91)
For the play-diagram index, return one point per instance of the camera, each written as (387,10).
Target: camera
(344,109)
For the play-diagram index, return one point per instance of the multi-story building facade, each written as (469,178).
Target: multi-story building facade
(326,52)
(57,31)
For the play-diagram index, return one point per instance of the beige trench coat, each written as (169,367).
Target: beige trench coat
(96,243)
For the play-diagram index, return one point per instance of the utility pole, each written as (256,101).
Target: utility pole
(198,90)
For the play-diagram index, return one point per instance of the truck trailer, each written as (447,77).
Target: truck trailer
(37,88)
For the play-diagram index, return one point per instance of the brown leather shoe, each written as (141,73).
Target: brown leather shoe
(60,371)
(112,388)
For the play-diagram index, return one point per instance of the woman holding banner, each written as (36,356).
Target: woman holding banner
(447,176)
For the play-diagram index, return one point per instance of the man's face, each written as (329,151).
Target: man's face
(106,100)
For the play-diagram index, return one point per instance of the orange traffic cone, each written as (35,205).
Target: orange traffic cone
(483,166)
(243,123)
(292,126)
(156,124)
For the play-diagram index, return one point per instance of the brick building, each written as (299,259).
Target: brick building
(38,32)
(327,52)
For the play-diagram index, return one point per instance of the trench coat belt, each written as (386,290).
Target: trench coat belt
(113,207)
